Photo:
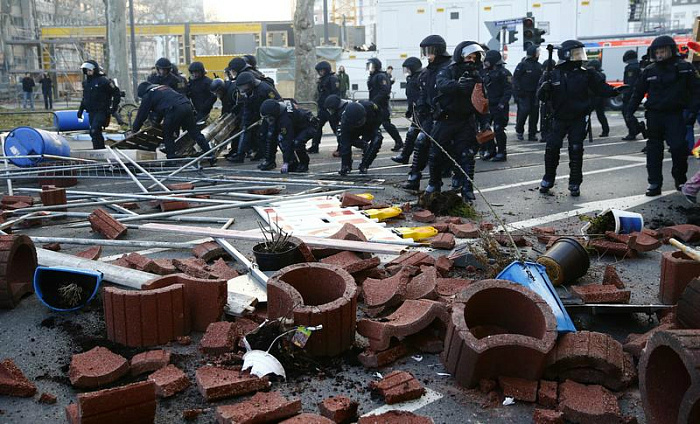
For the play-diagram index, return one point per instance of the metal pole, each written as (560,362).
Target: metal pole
(325,23)
(258,275)
(134,68)
(126,169)
(175,198)
(114,243)
(9,180)
(52,215)
(143,171)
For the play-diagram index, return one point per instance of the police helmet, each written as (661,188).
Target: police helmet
(594,64)
(466,48)
(572,50)
(433,44)
(532,51)
(246,82)
(374,65)
(237,64)
(323,66)
(144,87)
(90,65)
(270,108)
(250,60)
(164,63)
(333,103)
(196,67)
(629,55)
(412,65)
(493,58)
(216,85)
(354,115)
(663,48)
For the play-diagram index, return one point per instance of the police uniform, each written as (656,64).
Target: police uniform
(361,133)
(100,99)
(202,99)
(326,85)
(176,111)
(250,113)
(291,130)
(525,79)
(379,86)
(499,88)
(598,103)
(632,72)
(412,94)
(171,80)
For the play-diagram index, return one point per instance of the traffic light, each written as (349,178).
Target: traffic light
(510,38)
(529,33)
(538,36)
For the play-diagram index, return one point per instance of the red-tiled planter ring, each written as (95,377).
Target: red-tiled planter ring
(316,293)
(17,265)
(498,328)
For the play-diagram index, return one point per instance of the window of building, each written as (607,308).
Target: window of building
(454,15)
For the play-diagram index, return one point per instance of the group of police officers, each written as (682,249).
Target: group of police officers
(449,124)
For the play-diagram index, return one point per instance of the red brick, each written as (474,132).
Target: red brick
(103,223)
(141,263)
(451,219)
(387,292)
(684,232)
(47,398)
(164,267)
(547,416)
(261,408)
(424,216)
(193,267)
(599,293)
(219,383)
(519,388)
(605,247)
(96,367)
(241,328)
(375,273)
(9,200)
(443,241)
(52,196)
(192,414)
(351,262)
(133,403)
(412,259)
(149,361)
(221,270)
(423,285)
(18,205)
(486,226)
(588,404)
(411,317)
(208,251)
(339,409)
(305,251)
(444,265)
(349,199)
(550,231)
(146,317)
(619,238)
(372,359)
(441,227)
(169,381)
(398,386)
(218,339)
(642,242)
(448,287)
(54,247)
(266,191)
(547,393)
(395,417)
(13,382)
(130,205)
(205,299)
(635,343)
(688,308)
(17,265)
(185,186)
(611,277)
(677,270)
(504,240)
(173,205)
(307,419)
(93,253)
(467,230)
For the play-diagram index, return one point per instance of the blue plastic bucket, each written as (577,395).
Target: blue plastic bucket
(48,280)
(67,120)
(534,276)
(27,141)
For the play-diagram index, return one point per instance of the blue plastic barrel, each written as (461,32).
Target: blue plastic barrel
(67,120)
(27,141)
(48,280)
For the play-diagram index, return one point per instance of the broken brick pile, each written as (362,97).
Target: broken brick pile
(17,264)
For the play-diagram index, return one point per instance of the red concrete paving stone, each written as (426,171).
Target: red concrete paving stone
(17,265)
(423,285)
(467,230)
(600,293)
(642,242)
(173,205)
(181,186)
(412,259)
(677,270)
(618,238)
(424,216)
(164,267)
(441,227)
(103,223)
(375,273)
(13,382)
(266,191)
(192,414)
(52,196)
(547,416)
(398,386)
(339,409)
(193,267)
(588,404)
(216,383)
(349,199)
(605,247)
(547,393)
(18,205)
(208,251)
(97,367)
(218,339)
(140,262)
(134,404)
(47,398)
(351,262)
(149,361)
(486,226)
(395,417)
(684,232)
(519,388)
(443,241)
(372,359)
(169,380)
(444,265)
(635,343)
(448,287)
(130,205)
(504,240)
(8,200)
(269,407)
(349,232)
(550,231)
(241,328)
(387,292)
(451,220)
(307,419)
(122,262)
(54,247)
(220,269)
(611,277)
(688,308)
(411,317)
(92,253)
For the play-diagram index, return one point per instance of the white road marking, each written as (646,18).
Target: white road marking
(429,397)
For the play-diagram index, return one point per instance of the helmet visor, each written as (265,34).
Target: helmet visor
(370,67)
(87,66)
(406,71)
(430,50)
(578,54)
(661,53)
(473,50)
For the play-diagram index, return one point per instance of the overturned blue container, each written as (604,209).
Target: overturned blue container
(27,141)
(49,280)
(67,120)
(534,276)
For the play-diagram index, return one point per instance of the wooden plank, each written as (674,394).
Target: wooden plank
(316,242)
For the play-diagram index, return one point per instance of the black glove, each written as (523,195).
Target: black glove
(546,86)
(408,114)
(80,114)
(464,82)
(501,106)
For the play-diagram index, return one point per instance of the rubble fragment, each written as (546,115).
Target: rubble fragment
(149,361)
(444,265)
(307,419)
(547,416)
(169,381)
(216,383)
(103,223)
(96,367)
(339,409)
(689,305)
(351,262)
(260,408)
(519,388)
(398,386)
(17,265)
(372,359)
(133,403)
(605,247)
(677,269)
(387,292)
(611,277)
(588,404)
(424,216)
(467,230)
(208,251)
(218,339)
(635,343)
(47,398)
(547,393)
(92,253)
(444,241)
(395,417)
(601,293)
(193,267)
(423,285)
(412,259)
(13,382)
(349,199)
(686,232)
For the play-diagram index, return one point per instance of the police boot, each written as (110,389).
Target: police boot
(408,146)
(545,185)
(345,165)
(397,146)
(370,154)
(629,137)
(575,190)
(575,168)
(303,157)
(267,165)
(256,156)
(457,181)
(313,149)
(270,153)
(653,190)
(520,137)
(468,165)
(235,158)
(413,182)
(433,188)
(551,162)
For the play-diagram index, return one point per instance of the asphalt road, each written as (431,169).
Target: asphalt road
(41,342)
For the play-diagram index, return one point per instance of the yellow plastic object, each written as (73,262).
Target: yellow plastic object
(415,233)
(368,196)
(382,214)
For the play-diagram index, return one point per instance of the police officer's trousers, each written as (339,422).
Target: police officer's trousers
(668,126)
(575,130)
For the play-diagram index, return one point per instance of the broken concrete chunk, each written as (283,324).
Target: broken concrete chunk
(169,381)
(260,408)
(13,382)
(149,361)
(96,367)
(424,216)
(599,293)
(339,409)
(588,404)
(398,386)
(216,383)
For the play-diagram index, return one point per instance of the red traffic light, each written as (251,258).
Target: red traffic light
(528,23)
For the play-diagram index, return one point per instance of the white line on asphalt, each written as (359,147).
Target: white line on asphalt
(429,397)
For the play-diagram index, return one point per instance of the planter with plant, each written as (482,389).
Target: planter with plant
(278,250)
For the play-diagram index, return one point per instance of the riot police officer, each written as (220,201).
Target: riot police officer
(632,72)
(379,86)
(199,90)
(568,89)
(598,102)
(457,120)
(671,85)
(176,112)
(291,127)
(226,92)
(412,68)
(498,83)
(165,76)
(238,65)
(359,127)
(326,85)
(525,79)
(253,93)
(434,48)
(100,99)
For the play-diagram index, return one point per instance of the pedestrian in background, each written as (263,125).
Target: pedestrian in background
(344,80)
(47,91)
(28,91)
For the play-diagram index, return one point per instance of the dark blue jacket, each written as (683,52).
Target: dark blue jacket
(454,101)
(412,92)
(428,85)
(294,123)
(379,87)
(499,88)
(173,81)
(202,99)
(327,85)
(229,102)
(670,87)
(99,94)
(251,104)
(160,100)
(527,76)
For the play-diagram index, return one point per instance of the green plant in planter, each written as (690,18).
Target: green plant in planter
(276,239)
(600,224)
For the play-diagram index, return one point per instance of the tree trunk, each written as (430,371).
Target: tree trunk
(117,67)
(304,51)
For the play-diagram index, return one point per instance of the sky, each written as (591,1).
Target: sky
(248,10)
